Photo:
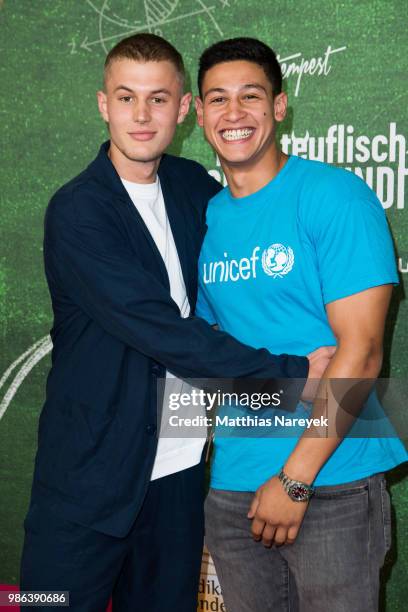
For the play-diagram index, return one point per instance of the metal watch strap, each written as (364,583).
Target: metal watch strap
(297,490)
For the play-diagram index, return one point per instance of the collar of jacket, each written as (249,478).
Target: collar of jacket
(105,173)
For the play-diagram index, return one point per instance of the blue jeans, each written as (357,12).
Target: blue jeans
(333,565)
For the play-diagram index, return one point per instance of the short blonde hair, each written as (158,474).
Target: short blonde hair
(146,47)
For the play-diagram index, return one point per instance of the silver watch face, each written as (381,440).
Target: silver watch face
(298,492)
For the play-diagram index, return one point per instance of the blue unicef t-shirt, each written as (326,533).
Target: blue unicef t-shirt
(269,264)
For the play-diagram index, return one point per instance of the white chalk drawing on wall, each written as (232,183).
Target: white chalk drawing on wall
(20,369)
(142,16)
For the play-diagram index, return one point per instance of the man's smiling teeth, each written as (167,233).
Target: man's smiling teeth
(237,134)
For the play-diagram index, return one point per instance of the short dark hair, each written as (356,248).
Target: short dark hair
(145,47)
(247,49)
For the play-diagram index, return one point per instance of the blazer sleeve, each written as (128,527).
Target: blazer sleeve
(90,262)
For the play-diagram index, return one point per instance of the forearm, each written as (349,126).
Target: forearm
(130,304)
(317,444)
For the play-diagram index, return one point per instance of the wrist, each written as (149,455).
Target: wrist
(303,473)
(297,490)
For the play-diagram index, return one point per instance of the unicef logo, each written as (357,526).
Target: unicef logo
(277,260)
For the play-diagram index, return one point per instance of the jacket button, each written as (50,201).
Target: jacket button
(151,430)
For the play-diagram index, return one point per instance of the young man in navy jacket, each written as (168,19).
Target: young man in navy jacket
(114,510)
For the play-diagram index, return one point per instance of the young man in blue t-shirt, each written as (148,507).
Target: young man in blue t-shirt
(297,254)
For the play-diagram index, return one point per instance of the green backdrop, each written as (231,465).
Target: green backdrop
(345,65)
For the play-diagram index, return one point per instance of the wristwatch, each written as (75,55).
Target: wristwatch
(298,491)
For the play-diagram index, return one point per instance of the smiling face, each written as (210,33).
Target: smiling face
(239,112)
(142,104)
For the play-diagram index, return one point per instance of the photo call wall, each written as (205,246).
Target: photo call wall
(344,66)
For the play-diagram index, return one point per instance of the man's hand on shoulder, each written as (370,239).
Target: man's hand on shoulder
(318,362)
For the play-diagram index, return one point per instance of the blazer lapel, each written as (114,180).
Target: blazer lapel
(105,172)
(133,212)
(176,214)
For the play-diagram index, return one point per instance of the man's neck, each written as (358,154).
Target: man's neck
(245,179)
(131,170)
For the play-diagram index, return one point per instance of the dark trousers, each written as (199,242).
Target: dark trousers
(155,567)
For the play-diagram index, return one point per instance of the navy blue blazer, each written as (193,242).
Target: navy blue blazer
(116,329)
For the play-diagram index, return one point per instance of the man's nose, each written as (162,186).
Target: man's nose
(235,111)
(141,112)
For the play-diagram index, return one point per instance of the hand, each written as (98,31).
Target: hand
(276,518)
(318,362)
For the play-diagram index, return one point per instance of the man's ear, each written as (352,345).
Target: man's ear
(280,105)
(199,111)
(103,105)
(184,107)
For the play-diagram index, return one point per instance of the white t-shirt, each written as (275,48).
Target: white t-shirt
(173,454)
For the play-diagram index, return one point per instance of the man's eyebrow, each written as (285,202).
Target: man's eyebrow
(153,93)
(162,91)
(246,86)
(123,87)
(254,86)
